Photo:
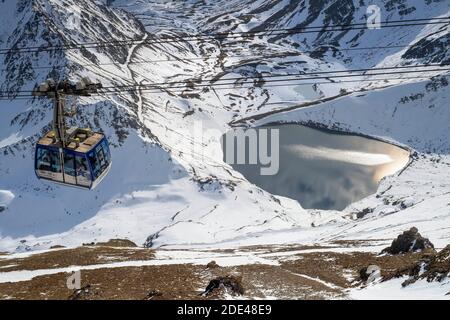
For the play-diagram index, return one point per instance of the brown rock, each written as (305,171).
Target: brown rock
(212,265)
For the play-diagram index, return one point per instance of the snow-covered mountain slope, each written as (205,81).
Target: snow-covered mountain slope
(167,186)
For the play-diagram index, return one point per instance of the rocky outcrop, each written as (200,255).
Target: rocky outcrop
(433,267)
(409,241)
(438,266)
(430,49)
(117,243)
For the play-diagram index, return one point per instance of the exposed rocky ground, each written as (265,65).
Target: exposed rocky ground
(253,272)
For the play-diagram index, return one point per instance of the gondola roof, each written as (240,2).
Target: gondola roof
(84,145)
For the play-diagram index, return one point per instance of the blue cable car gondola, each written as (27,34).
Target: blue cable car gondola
(74,156)
(83,163)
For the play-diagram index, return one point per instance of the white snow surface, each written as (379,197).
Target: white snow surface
(6,197)
(393,290)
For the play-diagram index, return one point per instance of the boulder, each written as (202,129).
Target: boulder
(212,265)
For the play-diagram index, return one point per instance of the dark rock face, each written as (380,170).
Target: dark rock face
(363,213)
(409,241)
(430,50)
(363,275)
(150,239)
(229,284)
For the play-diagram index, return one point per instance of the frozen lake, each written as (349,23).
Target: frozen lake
(323,169)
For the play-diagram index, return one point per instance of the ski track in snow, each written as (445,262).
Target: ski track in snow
(131,74)
(325,283)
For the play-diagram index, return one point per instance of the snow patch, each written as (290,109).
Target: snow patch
(393,290)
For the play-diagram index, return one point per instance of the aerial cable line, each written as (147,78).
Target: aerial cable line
(195,81)
(264,83)
(383,23)
(228,34)
(268,56)
(328,82)
(184,91)
(132,40)
(239,33)
(272,32)
(107,44)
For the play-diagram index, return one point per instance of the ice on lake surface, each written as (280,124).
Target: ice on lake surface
(323,169)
